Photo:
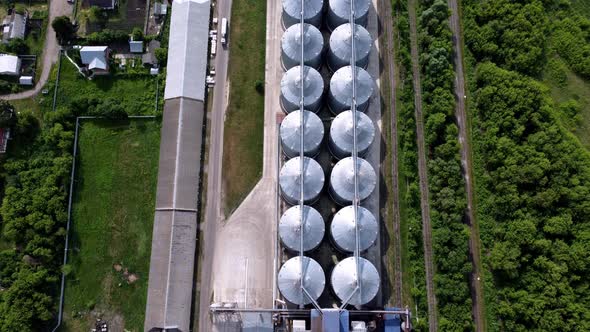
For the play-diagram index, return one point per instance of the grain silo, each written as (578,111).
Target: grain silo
(290,133)
(339,12)
(312,10)
(343,229)
(290,228)
(313,89)
(341,134)
(313,46)
(340,98)
(290,180)
(345,280)
(291,275)
(342,180)
(340,50)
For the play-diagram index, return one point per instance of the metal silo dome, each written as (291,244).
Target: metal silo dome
(290,133)
(290,179)
(342,180)
(312,11)
(341,134)
(290,276)
(343,230)
(345,280)
(339,12)
(313,89)
(290,228)
(312,40)
(341,89)
(340,51)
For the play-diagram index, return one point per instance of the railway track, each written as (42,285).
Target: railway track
(466,164)
(387,26)
(422,171)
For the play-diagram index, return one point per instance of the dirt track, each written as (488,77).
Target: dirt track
(466,164)
(422,171)
(50,50)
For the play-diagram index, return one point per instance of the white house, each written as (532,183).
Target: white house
(9,65)
(96,58)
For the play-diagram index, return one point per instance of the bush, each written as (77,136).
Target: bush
(259,86)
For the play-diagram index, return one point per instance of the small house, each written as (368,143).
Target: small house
(95,58)
(25,80)
(14,27)
(160,9)
(136,46)
(9,65)
(149,58)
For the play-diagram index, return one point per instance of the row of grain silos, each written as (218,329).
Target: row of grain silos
(337,52)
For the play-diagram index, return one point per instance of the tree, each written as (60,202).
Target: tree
(17,46)
(137,34)
(63,27)
(162,55)
(6,114)
(97,15)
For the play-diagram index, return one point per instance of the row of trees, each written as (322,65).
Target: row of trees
(450,235)
(408,163)
(532,176)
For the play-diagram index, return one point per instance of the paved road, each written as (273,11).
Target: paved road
(388,50)
(50,50)
(215,157)
(422,172)
(477,290)
(248,277)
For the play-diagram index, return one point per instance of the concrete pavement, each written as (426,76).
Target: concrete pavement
(237,255)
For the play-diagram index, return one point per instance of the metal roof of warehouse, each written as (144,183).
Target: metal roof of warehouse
(187,55)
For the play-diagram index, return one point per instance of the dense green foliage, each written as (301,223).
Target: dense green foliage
(450,235)
(535,208)
(571,40)
(33,218)
(408,167)
(532,176)
(509,33)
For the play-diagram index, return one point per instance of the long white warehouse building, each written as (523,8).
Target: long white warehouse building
(174,237)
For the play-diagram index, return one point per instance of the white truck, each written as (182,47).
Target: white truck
(224,31)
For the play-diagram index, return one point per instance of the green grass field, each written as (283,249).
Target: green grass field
(112,224)
(244,124)
(571,87)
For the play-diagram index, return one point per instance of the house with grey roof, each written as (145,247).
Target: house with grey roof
(95,58)
(14,26)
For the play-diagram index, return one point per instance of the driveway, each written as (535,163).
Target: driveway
(50,50)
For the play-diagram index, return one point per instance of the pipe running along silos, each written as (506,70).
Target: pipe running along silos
(341,134)
(343,229)
(342,180)
(339,12)
(312,10)
(345,279)
(340,98)
(313,46)
(313,89)
(290,180)
(291,275)
(290,133)
(290,228)
(340,50)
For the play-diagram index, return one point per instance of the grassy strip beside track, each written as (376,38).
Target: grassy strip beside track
(244,123)
(112,223)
